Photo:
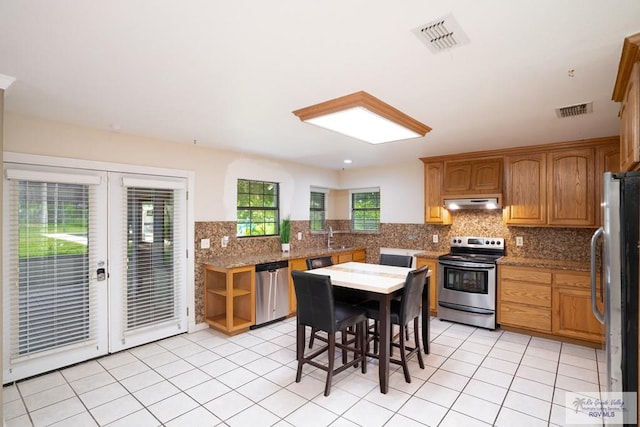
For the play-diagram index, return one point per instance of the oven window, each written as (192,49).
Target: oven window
(471,281)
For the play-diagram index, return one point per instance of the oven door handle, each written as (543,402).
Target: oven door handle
(467,265)
(466,308)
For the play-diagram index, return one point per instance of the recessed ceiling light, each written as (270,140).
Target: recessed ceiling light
(365,117)
(348,161)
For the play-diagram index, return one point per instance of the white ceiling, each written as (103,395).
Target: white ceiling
(228,74)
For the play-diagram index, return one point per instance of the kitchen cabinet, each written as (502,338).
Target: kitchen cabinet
(295,264)
(358,255)
(433,282)
(630,122)
(434,211)
(472,176)
(627,91)
(526,189)
(229,298)
(572,313)
(571,187)
(607,160)
(524,298)
(551,301)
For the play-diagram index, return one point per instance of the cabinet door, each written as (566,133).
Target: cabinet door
(433,282)
(526,190)
(573,317)
(607,160)
(434,212)
(295,264)
(457,177)
(630,123)
(571,188)
(486,176)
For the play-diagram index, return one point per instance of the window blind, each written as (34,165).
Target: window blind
(51,298)
(154,243)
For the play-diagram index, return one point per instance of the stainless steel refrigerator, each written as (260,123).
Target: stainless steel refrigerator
(619,274)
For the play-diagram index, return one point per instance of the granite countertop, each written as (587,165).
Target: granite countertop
(431,254)
(246,260)
(545,263)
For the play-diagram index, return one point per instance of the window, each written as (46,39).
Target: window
(258,208)
(365,210)
(317,210)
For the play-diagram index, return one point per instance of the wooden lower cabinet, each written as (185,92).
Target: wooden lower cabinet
(524,298)
(433,282)
(294,264)
(550,301)
(229,298)
(572,313)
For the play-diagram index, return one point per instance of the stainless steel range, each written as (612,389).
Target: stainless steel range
(467,281)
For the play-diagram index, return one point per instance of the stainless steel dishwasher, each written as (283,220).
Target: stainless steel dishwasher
(272,292)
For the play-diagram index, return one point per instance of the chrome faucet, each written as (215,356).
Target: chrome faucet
(329,236)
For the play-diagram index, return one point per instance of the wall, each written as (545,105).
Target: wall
(216,170)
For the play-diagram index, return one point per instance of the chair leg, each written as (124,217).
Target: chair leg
(416,337)
(300,336)
(313,335)
(362,336)
(331,356)
(343,339)
(403,354)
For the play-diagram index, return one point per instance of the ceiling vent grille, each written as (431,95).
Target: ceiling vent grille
(574,110)
(441,34)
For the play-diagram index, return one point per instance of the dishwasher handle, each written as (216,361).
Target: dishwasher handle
(271,266)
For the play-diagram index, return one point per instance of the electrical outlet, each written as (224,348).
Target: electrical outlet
(205,243)
(299,235)
(435,238)
(224,241)
(519,241)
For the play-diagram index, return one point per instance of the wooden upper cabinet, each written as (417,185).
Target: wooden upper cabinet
(630,122)
(571,188)
(434,212)
(526,190)
(473,177)
(607,160)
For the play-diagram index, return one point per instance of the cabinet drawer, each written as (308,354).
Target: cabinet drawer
(524,316)
(525,274)
(525,293)
(573,280)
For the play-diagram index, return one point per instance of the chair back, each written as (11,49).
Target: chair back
(315,304)
(412,294)
(396,260)
(319,262)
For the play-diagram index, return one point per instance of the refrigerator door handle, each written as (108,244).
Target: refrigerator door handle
(594,299)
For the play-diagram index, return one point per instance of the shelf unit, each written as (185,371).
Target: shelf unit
(229,298)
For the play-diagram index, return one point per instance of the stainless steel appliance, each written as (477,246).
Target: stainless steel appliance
(272,292)
(467,281)
(619,273)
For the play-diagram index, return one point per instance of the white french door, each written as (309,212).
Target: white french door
(55,255)
(94,262)
(148,230)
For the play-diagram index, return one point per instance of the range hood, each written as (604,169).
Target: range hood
(473,203)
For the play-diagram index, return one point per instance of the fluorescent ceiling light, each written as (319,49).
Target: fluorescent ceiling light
(364,117)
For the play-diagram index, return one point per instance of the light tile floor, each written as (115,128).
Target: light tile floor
(473,377)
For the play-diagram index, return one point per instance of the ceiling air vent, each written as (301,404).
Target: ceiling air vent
(441,34)
(574,110)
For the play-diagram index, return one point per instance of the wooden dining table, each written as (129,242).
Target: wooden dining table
(382,283)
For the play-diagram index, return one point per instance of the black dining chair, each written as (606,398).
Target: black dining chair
(313,263)
(318,309)
(403,311)
(397,261)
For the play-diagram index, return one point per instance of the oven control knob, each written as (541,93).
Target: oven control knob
(493,242)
